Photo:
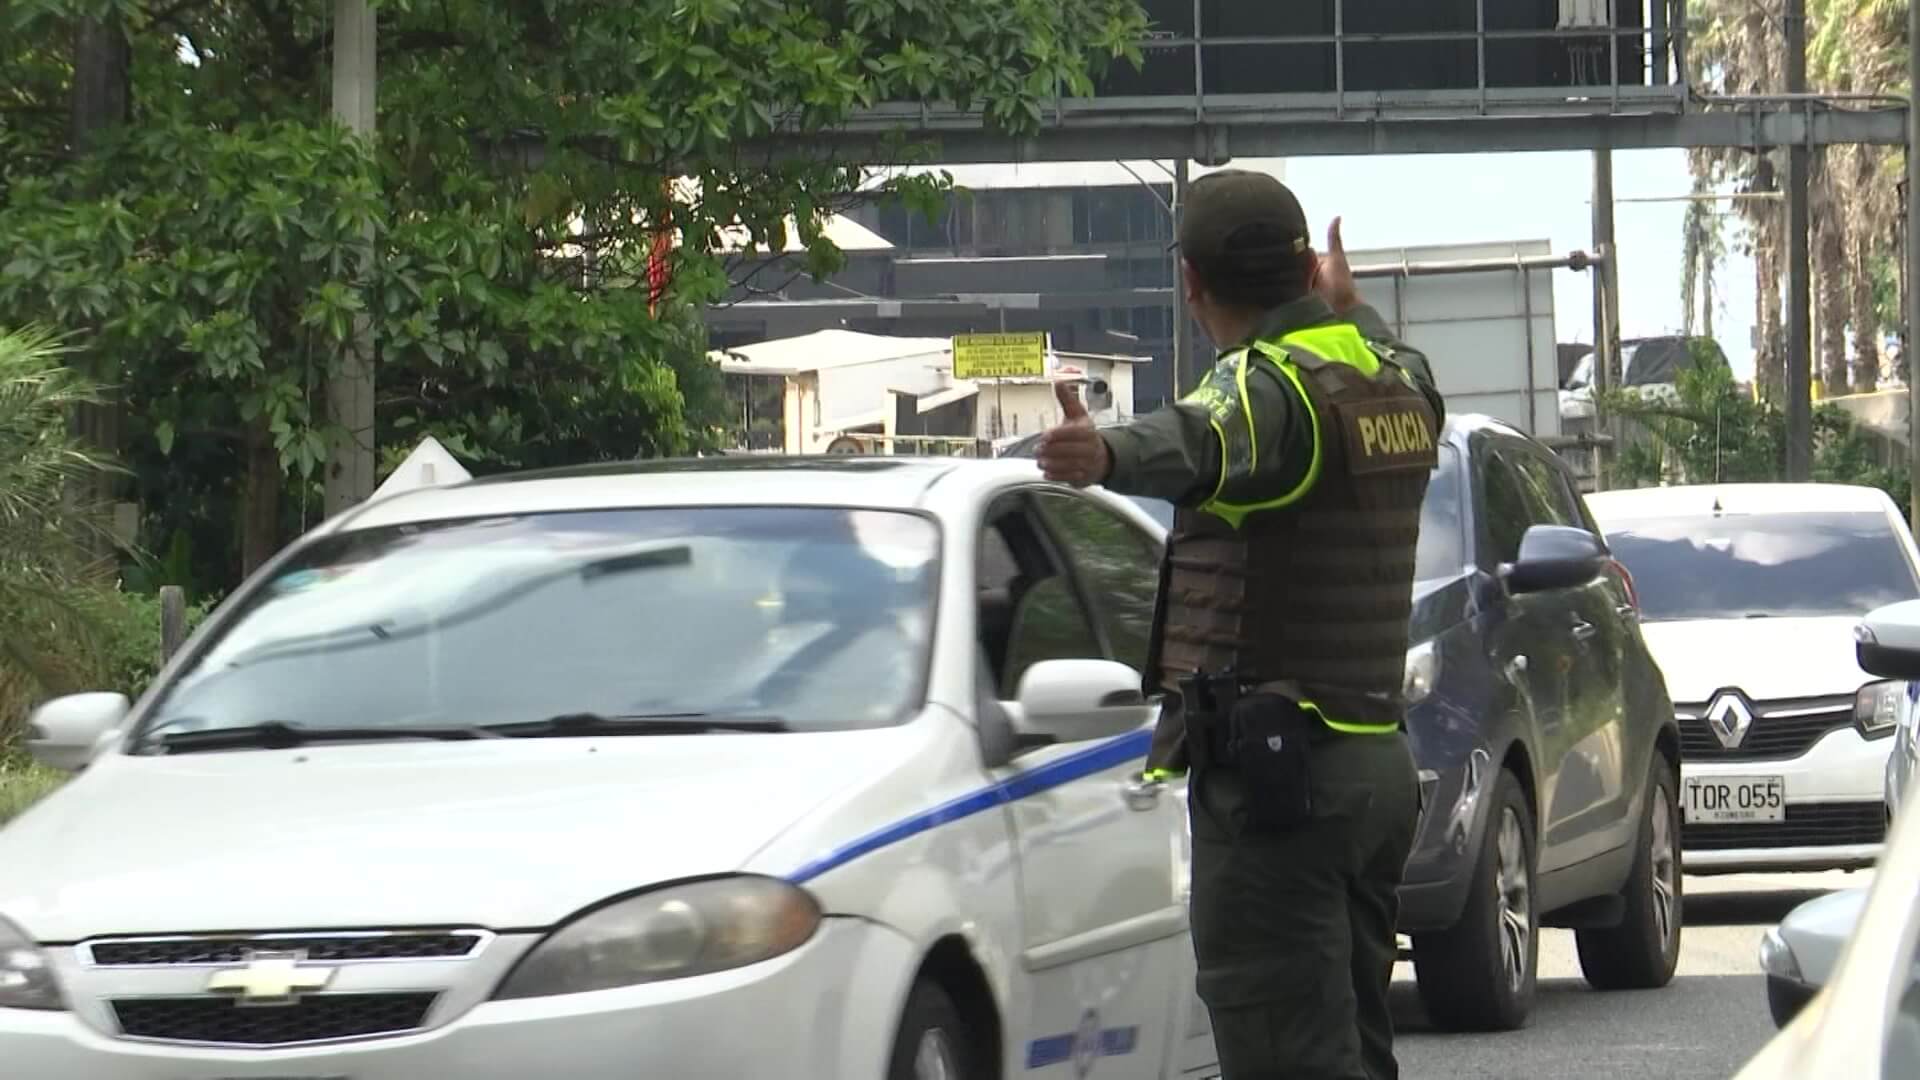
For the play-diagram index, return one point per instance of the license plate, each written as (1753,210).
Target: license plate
(1734,800)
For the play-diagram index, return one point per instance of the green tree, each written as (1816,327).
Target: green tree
(207,256)
(1713,431)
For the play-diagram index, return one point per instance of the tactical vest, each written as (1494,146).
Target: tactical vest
(1313,587)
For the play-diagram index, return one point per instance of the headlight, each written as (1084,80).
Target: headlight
(1423,670)
(1876,707)
(1777,959)
(26,979)
(672,933)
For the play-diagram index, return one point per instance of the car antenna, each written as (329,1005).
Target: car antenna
(1717,508)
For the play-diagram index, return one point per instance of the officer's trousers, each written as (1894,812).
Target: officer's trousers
(1294,929)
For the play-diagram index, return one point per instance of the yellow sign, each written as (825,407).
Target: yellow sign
(999,356)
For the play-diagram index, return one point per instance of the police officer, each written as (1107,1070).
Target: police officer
(1299,465)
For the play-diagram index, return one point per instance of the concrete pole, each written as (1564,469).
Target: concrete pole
(1799,313)
(350,457)
(1183,374)
(1606,307)
(1911,342)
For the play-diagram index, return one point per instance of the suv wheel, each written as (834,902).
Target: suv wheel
(1641,953)
(1479,974)
(932,1043)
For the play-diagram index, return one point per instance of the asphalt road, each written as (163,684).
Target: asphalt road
(1703,1026)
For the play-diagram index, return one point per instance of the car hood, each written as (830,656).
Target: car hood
(1817,930)
(504,834)
(1767,659)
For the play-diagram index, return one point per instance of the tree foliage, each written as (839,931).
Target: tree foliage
(211,257)
(1853,47)
(1710,430)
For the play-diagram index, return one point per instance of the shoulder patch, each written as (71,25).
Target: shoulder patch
(1388,435)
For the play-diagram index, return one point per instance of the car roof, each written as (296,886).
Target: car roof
(1690,499)
(729,480)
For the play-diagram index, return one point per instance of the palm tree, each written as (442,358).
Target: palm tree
(1856,46)
(47,622)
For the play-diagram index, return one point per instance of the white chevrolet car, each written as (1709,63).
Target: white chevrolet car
(1749,594)
(735,768)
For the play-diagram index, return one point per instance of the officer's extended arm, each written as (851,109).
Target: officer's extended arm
(1175,453)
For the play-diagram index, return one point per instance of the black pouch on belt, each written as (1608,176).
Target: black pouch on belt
(1271,740)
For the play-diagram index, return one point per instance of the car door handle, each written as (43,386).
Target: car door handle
(1582,630)
(1142,793)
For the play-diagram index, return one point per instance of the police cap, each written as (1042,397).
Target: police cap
(1235,214)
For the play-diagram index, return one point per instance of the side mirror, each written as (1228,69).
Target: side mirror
(1080,700)
(1555,557)
(66,732)
(1887,641)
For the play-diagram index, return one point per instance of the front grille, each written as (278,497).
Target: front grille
(1807,825)
(312,1019)
(1771,735)
(342,948)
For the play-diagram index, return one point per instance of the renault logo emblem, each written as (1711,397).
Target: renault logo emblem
(1730,716)
(271,978)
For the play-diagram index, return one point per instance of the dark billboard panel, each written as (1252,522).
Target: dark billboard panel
(1269,68)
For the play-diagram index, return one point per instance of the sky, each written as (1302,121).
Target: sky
(1464,198)
(1412,200)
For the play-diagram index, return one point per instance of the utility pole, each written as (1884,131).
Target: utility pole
(1910,347)
(1799,313)
(350,458)
(1606,308)
(1183,379)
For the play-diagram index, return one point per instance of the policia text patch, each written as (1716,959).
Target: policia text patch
(1387,436)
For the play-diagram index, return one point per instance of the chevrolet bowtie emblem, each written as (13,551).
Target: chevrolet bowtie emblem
(271,979)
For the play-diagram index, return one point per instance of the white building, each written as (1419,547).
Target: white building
(840,390)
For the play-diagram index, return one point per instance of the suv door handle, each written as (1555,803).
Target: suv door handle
(1582,630)
(1142,793)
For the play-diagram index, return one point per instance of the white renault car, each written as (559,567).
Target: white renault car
(1749,594)
(733,768)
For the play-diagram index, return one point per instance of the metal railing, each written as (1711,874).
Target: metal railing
(867,443)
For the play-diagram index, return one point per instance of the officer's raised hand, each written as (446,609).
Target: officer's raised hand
(1073,452)
(1333,275)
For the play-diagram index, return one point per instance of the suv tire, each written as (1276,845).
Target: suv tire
(1479,974)
(1641,953)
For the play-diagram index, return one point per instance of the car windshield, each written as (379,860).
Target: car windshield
(1442,551)
(818,617)
(1755,565)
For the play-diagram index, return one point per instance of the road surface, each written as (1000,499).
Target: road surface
(1704,1026)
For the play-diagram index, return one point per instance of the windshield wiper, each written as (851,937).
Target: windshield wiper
(275,735)
(674,723)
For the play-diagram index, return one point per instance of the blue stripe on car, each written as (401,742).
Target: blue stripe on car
(1099,758)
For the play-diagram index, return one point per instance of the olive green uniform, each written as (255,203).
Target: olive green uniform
(1293,928)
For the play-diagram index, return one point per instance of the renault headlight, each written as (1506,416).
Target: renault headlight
(1876,707)
(671,933)
(26,977)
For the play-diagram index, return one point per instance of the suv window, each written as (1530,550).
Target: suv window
(1754,565)
(1508,508)
(1119,565)
(1553,501)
